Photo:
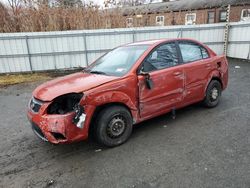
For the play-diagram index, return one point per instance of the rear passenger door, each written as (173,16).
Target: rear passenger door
(197,66)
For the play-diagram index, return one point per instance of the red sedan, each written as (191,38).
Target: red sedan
(128,85)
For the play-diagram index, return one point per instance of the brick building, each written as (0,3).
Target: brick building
(186,12)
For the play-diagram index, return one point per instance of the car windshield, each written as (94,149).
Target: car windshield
(118,61)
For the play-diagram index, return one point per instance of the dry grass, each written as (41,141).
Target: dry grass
(12,79)
(57,18)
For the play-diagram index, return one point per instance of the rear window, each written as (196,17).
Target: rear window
(192,52)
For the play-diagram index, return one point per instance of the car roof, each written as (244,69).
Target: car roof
(155,42)
(146,42)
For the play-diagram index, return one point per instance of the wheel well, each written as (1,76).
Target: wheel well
(218,79)
(101,107)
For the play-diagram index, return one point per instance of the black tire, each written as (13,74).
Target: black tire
(213,94)
(113,126)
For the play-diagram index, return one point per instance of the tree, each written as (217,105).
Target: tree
(116,3)
(4,18)
(15,6)
(132,2)
(69,3)
(110,3)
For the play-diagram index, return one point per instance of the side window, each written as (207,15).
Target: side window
(162,57)
(204,53)
(192,52)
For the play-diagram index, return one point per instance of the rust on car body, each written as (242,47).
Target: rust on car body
(145,94)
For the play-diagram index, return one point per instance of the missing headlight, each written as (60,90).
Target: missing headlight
(64,103)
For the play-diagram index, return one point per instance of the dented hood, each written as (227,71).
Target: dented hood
(73,83)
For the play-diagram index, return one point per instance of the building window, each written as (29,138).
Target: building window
(129,22)
(223,16)
(159,20)
(245,15)
(211,17)
(190,19)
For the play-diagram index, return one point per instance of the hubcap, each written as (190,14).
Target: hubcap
(214,93)
(116,126)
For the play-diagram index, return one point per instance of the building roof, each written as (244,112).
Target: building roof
(179,5)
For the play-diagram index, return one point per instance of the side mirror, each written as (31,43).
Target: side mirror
(148,80)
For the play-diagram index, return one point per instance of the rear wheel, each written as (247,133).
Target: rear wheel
(213,94)
(114,126)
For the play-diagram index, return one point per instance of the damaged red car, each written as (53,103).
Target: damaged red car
(127,85)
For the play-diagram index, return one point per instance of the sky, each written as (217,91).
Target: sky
(99,2)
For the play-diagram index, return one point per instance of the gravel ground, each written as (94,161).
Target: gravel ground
(200,148)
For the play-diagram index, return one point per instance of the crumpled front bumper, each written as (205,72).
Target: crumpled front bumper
(56,128)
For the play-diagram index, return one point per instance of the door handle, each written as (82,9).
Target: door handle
(177,73)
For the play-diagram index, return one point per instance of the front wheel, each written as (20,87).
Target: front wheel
(213,94)
(114,126)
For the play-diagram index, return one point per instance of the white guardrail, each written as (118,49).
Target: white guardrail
(40,51)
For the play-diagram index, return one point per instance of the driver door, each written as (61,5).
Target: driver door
(162,71)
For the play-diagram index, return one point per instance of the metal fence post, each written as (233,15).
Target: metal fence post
(134,37)
(28,51)
(248,56)
(227,27)
(86,48)
(180,33)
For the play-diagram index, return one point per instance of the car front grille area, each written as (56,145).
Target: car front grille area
(38,132)
(35,105)
(58,136)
